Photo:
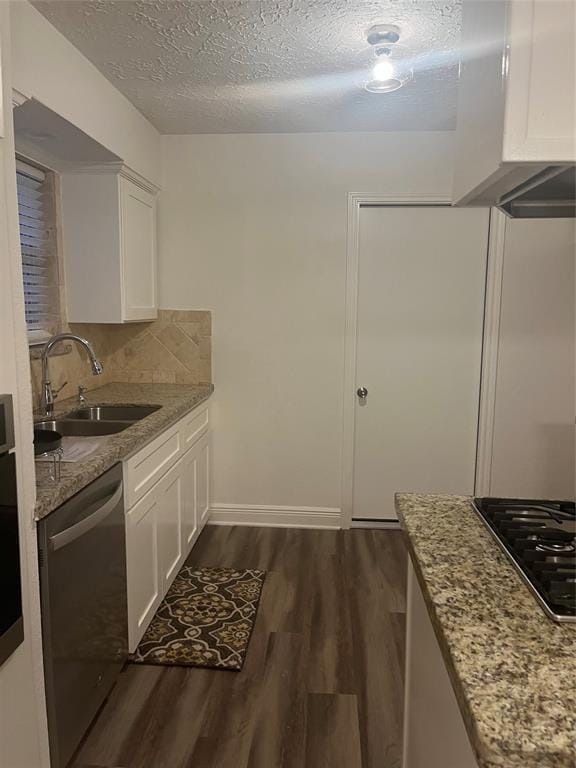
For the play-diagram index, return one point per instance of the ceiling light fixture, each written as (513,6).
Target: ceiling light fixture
(387,75)
(383,70)
(383,33)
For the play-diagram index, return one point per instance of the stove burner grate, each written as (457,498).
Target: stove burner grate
(556,548)
(539,537)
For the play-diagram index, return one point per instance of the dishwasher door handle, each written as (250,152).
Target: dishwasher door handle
(69,535)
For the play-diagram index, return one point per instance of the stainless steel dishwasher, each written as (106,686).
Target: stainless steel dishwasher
(82,552)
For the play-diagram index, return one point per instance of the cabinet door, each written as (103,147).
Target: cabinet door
(142,566)
(203,453)
(138,252)
(169,523)
(190,499)
(431,711)
(541,120)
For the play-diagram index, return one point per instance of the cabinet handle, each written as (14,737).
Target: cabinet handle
(69,535)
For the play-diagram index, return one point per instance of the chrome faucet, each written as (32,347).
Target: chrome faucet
(48,395)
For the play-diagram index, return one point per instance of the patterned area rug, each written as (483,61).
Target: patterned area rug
(205,620)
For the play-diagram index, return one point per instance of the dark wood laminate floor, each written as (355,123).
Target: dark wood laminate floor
(322,686)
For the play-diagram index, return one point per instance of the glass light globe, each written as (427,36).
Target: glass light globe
(383,70)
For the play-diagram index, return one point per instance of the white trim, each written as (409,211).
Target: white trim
(490,352)
(37,154)
(19,98)
(275,517)
(37,337)
(355,202)
(387,525)
(118,168)
(139,180)
(34,154)
(32,171)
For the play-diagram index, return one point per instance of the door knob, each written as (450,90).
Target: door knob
(362,393)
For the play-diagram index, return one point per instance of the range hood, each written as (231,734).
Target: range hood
(550,194)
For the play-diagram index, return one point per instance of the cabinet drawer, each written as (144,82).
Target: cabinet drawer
(144,469)
(193,425)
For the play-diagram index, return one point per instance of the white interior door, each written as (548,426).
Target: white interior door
(421,288)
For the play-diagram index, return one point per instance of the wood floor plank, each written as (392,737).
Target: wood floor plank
(380,664)
(322,684)
(84,765)
(375,562)
(332,732)
(118,719)
(276,740)
(175,722)
(331,640)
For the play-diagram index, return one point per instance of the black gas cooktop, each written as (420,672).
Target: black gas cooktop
(540,539)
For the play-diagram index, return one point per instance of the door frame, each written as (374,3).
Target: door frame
(356,200)
(490,349)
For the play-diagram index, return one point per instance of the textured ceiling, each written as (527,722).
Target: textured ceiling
(251,66)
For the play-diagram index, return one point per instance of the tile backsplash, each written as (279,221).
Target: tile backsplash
(174,349)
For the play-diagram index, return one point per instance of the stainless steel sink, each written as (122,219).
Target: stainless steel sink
(82,427)
(112,412)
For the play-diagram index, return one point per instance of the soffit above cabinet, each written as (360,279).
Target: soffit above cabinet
(47,138)
(200,66)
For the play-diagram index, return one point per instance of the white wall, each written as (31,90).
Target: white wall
(533,442)
(253,227)
(50,69)
(23,734)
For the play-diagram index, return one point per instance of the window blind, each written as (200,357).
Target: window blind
(37,269)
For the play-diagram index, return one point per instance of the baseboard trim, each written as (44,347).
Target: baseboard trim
(275,517)
(392,525)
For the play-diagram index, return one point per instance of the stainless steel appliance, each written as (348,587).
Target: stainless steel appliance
(11,624)
(539,538)
(82,556)
(550,194)
(6,424)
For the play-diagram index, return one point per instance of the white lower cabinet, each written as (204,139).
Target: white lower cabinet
(163,524)
(169,524)
(141,562)
(203,482)
(190,516)
(196,483)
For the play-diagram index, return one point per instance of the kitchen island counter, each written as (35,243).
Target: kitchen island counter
(513,670)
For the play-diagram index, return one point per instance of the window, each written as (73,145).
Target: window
(37,215)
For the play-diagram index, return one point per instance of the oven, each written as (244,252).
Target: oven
(11,624)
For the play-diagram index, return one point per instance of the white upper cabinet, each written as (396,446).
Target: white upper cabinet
(109,240)
(517,95)
(138,217)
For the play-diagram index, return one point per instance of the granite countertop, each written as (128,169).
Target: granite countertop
(175,400)
(512,668)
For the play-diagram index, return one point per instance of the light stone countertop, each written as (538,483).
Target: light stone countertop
(176,400)
(512,668)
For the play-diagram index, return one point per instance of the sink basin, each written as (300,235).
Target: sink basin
(96,420)
(113,412)
(82,427)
